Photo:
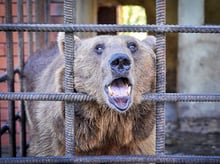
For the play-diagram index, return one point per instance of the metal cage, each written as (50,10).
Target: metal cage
(160,97)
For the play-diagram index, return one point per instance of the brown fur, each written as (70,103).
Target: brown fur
(100,129)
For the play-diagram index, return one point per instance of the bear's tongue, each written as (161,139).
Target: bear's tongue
(119,88)
(119,92)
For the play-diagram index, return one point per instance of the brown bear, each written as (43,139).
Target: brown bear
(116,71)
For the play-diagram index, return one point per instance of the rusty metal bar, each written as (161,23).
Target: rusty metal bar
(45,96)
(170,159)
(110,28)
(69,17)
(79,97)
(160,76)
(21,82)
(10,80)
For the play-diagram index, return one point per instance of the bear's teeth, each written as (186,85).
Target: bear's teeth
(111,93)
(129,90)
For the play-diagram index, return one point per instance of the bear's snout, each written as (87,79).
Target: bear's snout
(120,64)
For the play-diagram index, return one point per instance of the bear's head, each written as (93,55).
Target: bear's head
(116,70)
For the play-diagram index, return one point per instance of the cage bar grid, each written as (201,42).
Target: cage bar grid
(160,97)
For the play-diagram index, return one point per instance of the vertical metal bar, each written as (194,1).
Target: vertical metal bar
(21,67)
(29,20)
(0,136)
(39,18)
(47,16)
(10,80)
(69,17)
(161,76)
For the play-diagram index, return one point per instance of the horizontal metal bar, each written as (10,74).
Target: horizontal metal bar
(45,96)
(110,28)
(182,97)
(157,97)
(118,158)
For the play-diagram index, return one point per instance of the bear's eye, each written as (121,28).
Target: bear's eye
(99,48)
(132,47)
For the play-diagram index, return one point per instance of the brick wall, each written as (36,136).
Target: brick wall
(56,16)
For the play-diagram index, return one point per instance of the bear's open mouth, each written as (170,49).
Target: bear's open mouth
(119,93)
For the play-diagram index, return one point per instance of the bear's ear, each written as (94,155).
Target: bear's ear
(150,41)
(61,41)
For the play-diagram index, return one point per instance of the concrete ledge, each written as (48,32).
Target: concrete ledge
(200,125)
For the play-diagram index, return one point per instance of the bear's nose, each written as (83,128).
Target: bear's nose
(120,64)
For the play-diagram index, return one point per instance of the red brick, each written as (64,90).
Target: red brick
(53,36)
(25,9)
(4,114)
(2,10)
(56,9)
(2,19)
(15,52)
(3,87)
(17,89)
(2,70)
(5,140)
(14,19)
(2,37)
(15,37)
(25,36)
(4,103)
(57,19)
(2,62)
(2,50)
(14,9)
